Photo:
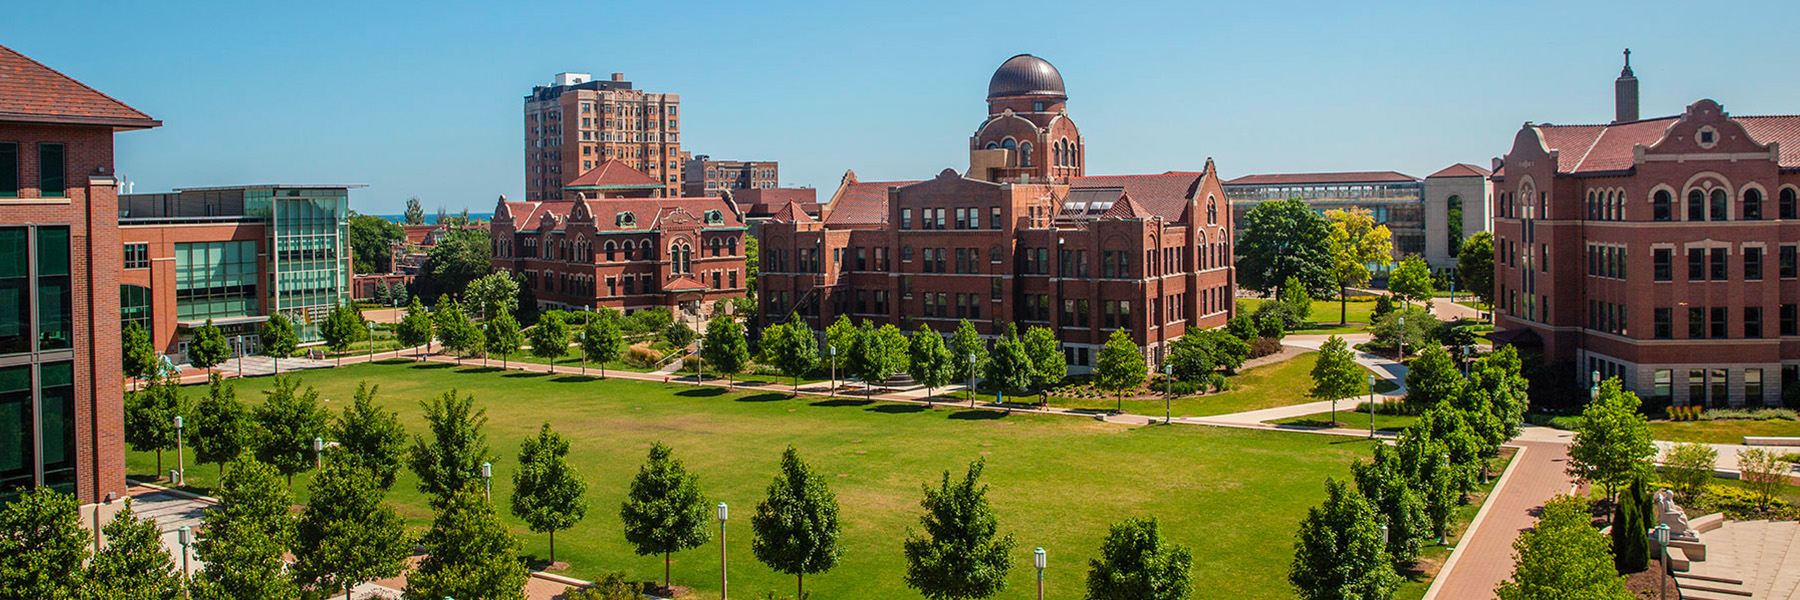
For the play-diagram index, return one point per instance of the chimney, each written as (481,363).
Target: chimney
(618,77)
(1625,94)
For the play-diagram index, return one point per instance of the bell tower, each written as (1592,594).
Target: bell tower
(1028,135)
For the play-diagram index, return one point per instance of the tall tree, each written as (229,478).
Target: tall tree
(370,437)
(1475,266)
(1497,386)
(960,553)
(1631,547)
(726,349)
(548,495)
(1612,440)
(879,354)
(140,355)
(208,347)
(455,330)
(601,340)
(1047,366)
(1430,379)
(343,327)
(928,361)
(372,240)
(964,344)
(493,294)
(133,564)
(278,338)
(1338,554)
(1356,244)
(501,336)
(150,417)
(452,458)
(415,214)
(1009,367)
(1336,375)
(1135,564)
(1412,280)
(797,524)
(1563,557)
(415,328)
(463,256)
(752,264)
(1120,366)
(841,334)
(347,536)
(286,423)
(1192,357)
(469,553)
(550,339)
(221,428)
(42,547)
(791,347)
(1279,239)
(246,534)
(664,512)
(1383,481)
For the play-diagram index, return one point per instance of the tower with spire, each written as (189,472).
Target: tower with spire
(1625,94)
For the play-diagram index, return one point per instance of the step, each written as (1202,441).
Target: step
(1678,560)
(1729,577)
(1704,595)
(1688,583)
(1707,523)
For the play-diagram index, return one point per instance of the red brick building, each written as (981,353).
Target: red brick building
(1662,251)
(703,176)
(616,243)
(61,389)
(577,122)
(1023,237)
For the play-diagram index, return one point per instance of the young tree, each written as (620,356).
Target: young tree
(452,459)
(415,214)
(550,339)
(797,524)
(416,328)
(1497,386)
(469,553)
(133,564)
(246,535)
(964,343)
(208,348)
(278,338)
(1120,367)
(1338,554)
(140,355)
(879,354)
(1284,238)
(960,554)
(502,336)
(1356,243)
(221,424)
(726,349)
(42,546)
(791,347)
(600,339)
(841,334)
(150,417)
(347,536)
(1631,547)
(664,512)
(1135,564)
(454,328)
(1045,353)
(492,295)
(1689,469)
(1336,374)
(1384,482)
(1295,297)
(1765,472)
(370,437)
(286,423)
(1430,379)
(1009,367)
(1475,266)
(343,327)
(1411,280)
(1612,440)
(1563,557)
(678,334)
(548,495)
(929,361)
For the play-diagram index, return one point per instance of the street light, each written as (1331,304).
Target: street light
(1661,536)
(701,376)
(184,536)
(487,481)
(371,326)
(180,464)
(582,335)
(318,453)
(1384,535)
(1594,390)
(833,391)
(1169,390)
(724,514)
(1402,349)
(971,380)
(1040,561)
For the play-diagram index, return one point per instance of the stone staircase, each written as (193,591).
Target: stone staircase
(1742,560)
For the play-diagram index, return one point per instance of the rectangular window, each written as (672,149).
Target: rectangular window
(1663,329)
(51,180)
(939,223)
(1719,380)
(1718,321)
(1696,264)
(9,169)
(1719,272)
(55,299)
(962,218)
(137,256)
(994,291)
(1109,314)
(1697,387)
(1661,270)
(1753,387)
(1790,319)
(1753,325)
(1753,262)
(1696,323)
(906,218)
(994,217)
(1664,384)
(1790,258)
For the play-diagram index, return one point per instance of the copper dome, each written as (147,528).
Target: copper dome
(1026,75)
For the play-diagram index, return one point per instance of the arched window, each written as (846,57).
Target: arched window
(993,146)
(731,246)
(1593,206)
(1660,208)
(1696,205)
(609,250)
(630,250)
(626,220)
(1008,144)
(1721,204)
(1753,201)
(714,217)
(716,245)
(1025,154)
(649,249)
(1056,154)
(1790,204)
(1212,210)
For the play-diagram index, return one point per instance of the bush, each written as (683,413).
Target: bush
(1265,346)
(1177,388)
(1749,414)
(1243,326)
(1218,382)
(1289,316)
(611,585)
(650,320)
(1270,326)
(678,335)
(1689,468)
(640,357)
(1741,504)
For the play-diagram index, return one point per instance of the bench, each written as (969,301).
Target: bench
(1771,441)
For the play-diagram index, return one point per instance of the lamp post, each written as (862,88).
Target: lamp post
(318,453)
(1040,561)
(1661,535)
(1371,407)
(724,514)
(240,355)
(1400,353)
(1384,535)
(833,392)
(582,335)
(1169,390)
(180,463)
(184,536)
(700,376)
(487,481)
(971,380)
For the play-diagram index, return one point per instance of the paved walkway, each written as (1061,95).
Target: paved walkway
(1484,558)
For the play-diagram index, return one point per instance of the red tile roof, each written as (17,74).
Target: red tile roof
(792,213)
(684,283)
(1461,170)
(613,175)
(1610,148)
(1323,178)
(1127,209)
(648,214)
(30,91)
(1163,194)
(1784,130)
(860,202)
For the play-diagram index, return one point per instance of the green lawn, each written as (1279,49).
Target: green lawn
(1721,432)
(1234,496)
(1324,315)
(1281,384)
(1351,419)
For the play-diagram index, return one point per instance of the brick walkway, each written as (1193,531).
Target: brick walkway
(1485,557)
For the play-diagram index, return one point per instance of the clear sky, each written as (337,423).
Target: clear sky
(426,99)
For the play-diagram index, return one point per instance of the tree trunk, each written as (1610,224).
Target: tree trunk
(800,584)
(665,571)
(1343,305)
(158,463)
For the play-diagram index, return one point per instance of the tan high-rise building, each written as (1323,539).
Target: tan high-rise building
(577,122)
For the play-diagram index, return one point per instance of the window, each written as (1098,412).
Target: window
(137,256)
(1696,323)
(9,169)
(1718,378)
(1696,205)
(1790,255)
(1696,386)
(41,437)
(1718,323)
(134,307)
(1753,322)
(994,217)
(1790,205)
(1660,209)
(1696,264)
(1663,385)
(906,218)
(1718,264)
(1753,264)
(962,218)
(1661,326)
(1660,260)
(1753,387)
(994,290)
(1790,319)
(51,181)
(1720,205)
(1753,200)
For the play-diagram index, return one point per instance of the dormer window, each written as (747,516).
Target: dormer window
(625,220)
(714,217)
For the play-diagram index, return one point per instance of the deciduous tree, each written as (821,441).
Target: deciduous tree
(1612,440)
(726,349)
(493,294)
(462,256)
(1430,379)
(878,354)
(221,427)
(1563,557)
(208,348)
(451,459)
(287,422)
(455,330)
(370,437)
(1283,238)
(1136,564)
(1338,554)
(1411,280)
(469,553)
(501,336)
(1045,353)
(1689,469)
(796,525)
(1121,366)
(548,494)
(601,340)
(246,534)
(1356,243)
(342,328)
(1009,367)
(133,564)
(1384,482)
(278,338)
(550,338)
(791,347)
(964,343)
(42,547)
(140,355)
(150,417)
(347,536)
(929,362)
(959,553)
(664,512)
(415,329)
(1336,375)
(1475,266)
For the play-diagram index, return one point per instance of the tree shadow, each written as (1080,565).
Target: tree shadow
(525,374)
(898,409)
(474,370)
(434,365)
(764,397)
(574,378)
(701,392)
(975,414)
(395,361)
(835,402)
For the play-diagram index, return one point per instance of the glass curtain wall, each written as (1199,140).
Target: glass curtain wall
(308,232)
(37,374)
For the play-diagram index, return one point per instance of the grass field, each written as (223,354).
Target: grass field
(1281,384)
(1721,432)
(1233,496)
(1324,315)
(1387,423)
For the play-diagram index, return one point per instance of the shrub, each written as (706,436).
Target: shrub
(1218,382)
(1689,468)
(641,357)
(611,585)
(1749,414)
(1742,504)
(678,335)
(1289,317)
(1243,325)
(1265,346)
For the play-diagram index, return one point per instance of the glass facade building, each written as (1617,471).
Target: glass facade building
(37,368)
(309,233)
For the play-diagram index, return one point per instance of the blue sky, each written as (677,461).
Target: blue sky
(425,99)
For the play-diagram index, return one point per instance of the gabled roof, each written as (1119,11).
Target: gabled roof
(613,175)
(860,202)
(1323,178)
(1164,195)
(1584,149)
(647,214)
(684,283)
(792,213)
(1461,170)
(32,92)
(1126,209)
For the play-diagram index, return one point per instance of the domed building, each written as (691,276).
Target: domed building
(1028,131)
